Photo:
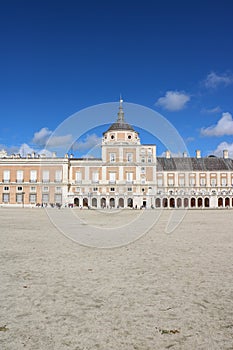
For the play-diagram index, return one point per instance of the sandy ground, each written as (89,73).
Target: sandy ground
(163,291)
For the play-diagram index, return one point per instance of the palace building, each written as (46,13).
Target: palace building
(128,175)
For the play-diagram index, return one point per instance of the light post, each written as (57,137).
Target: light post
(23,193)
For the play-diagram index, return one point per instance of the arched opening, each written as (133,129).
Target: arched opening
(199,202)
(76,202)
(85,202)
(121,203)
(220,202)
(112,202)
(193,202)
(165,202)
(186,202)
(227,202)
(130,203)
(207,202)
(179,202)
(172,203)
(103,202)
(158,202)
(94,202)
(232,202)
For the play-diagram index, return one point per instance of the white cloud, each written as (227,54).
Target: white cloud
(214,80)
(41,137)
(91,141)
(45,138)
(211,110)
(223,127)
(222,146)
(173,100)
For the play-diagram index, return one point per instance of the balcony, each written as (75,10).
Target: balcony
(19,181)
(6,181)
(112,182)
(33,181)
(45,180)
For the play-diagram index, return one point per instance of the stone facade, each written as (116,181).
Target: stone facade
(128,175)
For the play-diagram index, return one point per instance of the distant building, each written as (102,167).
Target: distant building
(128,174)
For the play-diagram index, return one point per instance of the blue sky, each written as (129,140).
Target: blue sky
(58,57)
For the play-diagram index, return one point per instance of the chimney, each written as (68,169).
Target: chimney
(185,155)
(198,153)
(167,154)
(225,153)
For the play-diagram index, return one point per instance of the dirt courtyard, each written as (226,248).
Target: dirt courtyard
(161,291)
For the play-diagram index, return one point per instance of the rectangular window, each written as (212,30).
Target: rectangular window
(5,197)
(192,181)
(32,198)
(33,176)
(45,176)
(58,176)
(19,176)
(160,181)
(45,198)
(170,181)
(112,189)
(213,181)
(142,170)
(45,188)
(95,189)
(95,177)
(58,189)
(58,198)
(130,189)
(6,176)
(129,157)
(143,160)
(223,181)
(19,188)
(78,176)
(202,181)
(112,157)
(112,177)
(149,160)
(129,177)
(77,189)
(6,188)
(19,198)
(32,189)
(181,181)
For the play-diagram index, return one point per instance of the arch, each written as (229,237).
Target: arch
(193,202)
(232,202)
(179,202)
(130,202)
(165,202)
(186,202)
(103,202)
(220,202)
(172,202)
(112,202)
(121,203)
(227,202)
(85,202)
(207,202)
(199,202)
(158,202)
(76,202)
(94,202)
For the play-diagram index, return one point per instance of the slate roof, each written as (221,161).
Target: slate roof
(194,164)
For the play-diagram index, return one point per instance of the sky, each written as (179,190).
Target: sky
(60,57)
